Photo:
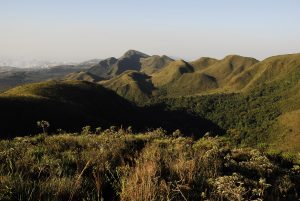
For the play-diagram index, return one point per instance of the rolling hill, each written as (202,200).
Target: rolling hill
(154,63)
(17,76)
(231,65)
(261,107)
(283,67)
(131,85)
(181,78)
(255,100)
(83,76)
(68,105)
(203,63)
(111,67)
(171,73)
(71,105)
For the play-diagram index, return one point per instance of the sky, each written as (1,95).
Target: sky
(78,30)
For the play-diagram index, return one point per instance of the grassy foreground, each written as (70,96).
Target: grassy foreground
(118,165)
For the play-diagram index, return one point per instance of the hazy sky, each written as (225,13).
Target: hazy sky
(76,30)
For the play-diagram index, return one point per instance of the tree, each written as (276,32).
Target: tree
(44,125)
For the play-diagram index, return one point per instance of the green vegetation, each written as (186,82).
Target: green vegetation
(67,105)
(118,165)
(264,112)
(84,76)
(131,85)
(154,63)
(70,105)
(131,60)
(248,117)
(255,102)
(254,107)
(18,76)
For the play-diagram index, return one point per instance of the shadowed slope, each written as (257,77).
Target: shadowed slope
(154,63)
(203,63)
(18,76)
(111,67)
(83,76)
(265,111)
(131,85)
(67,105)
(70,105)
(228,67)
(180,78)
(171,73)
(103,68)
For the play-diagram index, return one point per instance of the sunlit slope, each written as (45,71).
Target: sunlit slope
(201,76)
(154,63)
(283,67)
(203,63)
(83,76)
(171,73)
(111,67)
(131,85)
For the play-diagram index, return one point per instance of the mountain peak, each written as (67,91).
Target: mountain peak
(235,57)
(131,53)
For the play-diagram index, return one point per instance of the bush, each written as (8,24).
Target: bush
(117,165)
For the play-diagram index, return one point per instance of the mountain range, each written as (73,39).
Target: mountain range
(249,100)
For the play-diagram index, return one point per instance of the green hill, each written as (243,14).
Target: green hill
(180,78)
(131,85)
(276,68)
(154,63)
(231,65)
(203,63)
(103,68)
(83,76)
(111,67)
(70,105)
(130,60)
(254,100)
(262,109)
(17,76)
(192,83)
(171,73)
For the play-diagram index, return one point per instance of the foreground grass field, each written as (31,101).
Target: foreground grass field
(118,165)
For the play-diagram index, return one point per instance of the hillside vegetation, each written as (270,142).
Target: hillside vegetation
(83,76)
(118,165)
(251,100)
(66,105)
(154,63)
(70,105)
(130,60)
(267,113)
(181,78)
(158,129)
(133,85)
(256,101)
(12,77)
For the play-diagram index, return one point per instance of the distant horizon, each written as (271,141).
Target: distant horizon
(76,31)
(78,62)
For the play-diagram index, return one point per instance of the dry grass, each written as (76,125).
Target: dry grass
(118,165)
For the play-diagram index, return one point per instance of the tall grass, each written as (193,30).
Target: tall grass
(119,165)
